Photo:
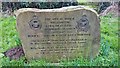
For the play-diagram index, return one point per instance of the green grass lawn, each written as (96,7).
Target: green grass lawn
(108,55)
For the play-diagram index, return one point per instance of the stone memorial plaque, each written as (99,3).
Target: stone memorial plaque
(54,34)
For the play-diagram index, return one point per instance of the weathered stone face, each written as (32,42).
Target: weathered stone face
(54,34)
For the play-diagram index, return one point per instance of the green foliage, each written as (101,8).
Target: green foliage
(109,30)
(41,5)
(9,34)
(108,55)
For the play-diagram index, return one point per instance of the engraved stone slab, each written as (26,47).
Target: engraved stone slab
(54,34)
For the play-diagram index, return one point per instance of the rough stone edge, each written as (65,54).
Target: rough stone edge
(63,9)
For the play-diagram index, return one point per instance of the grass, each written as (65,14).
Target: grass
(108,55)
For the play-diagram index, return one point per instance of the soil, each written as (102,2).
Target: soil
(14,53)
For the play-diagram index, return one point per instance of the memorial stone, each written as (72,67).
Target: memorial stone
(55,34)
